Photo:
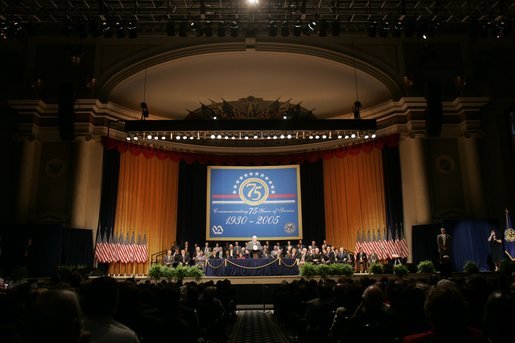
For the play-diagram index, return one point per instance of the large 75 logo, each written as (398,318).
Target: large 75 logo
(254,191)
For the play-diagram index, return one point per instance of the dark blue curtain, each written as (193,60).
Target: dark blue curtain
(191,208)
(469,239)
(77,247)
(109,195)
(469,242)
(392,190)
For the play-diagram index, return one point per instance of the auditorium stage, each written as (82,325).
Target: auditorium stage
(275,280)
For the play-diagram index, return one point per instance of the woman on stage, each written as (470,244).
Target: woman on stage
(496,249)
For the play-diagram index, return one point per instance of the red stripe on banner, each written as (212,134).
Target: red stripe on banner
(236,196)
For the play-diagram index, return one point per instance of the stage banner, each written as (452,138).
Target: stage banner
(247,201)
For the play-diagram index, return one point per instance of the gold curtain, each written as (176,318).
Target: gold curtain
(354,197)
(147,204)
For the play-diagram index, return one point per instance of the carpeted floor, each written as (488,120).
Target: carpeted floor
(256,326)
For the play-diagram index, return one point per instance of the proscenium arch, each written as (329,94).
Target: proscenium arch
(374,68)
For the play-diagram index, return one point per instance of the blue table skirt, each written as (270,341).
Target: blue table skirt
(251,267)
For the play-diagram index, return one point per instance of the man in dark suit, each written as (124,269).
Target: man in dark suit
(168,259)
(184,258)
(443,240)
(361,261)
(341,256)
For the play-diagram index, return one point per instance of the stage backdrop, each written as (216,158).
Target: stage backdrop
(247,201)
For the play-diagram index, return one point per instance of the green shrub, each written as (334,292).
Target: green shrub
(307,270)
(323,270)
(375,268)
(426,266)
(156,271)
(470,267)
(195,272)
(400,270)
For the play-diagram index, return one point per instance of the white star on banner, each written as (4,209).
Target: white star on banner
(235,185)
(245,175)
(273,192)
(241,177)
(237,181)
(251,174)
(262,175)
(233,192)
(269,182)
(272,187)
(266,178)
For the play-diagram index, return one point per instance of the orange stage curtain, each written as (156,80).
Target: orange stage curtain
(354,197)
(147,204)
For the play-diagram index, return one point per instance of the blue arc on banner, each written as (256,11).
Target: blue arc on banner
(247,201)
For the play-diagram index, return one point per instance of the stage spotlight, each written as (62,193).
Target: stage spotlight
(178,137)
(132,27)
(219,136)
(323,27)
(339,136)
(282,136)
(253,2)
(107,29)
(255,136)
(128,138)
(285,117)
(149,136)
(212,136)
(234,27)
(285,28)
(297,28)
(346,136)
(366,135)
(170,28)
(156,137)
(384,29)
(272,28)
(317,137)
(215,117)
(324,136)
(499,29)
(196,28)
(232,137)
(183,29)
(192,138)
(372,28)
(353,135)
(397,29)
(289,136)
(135,138)
(246,137)
(373,135)
(310,137)
(184,137)
(274,137)
(311,27)
(336,28)
(221,29)
(163,137)
(120,29)
(208,29)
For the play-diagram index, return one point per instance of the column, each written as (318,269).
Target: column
(80,185)
(415,191)
(471,176)
(30,155)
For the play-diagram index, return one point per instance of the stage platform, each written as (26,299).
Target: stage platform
(275,280)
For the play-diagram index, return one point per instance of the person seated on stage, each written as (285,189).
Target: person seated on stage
(232,252)
(187,247)
(267,243)
(197,250)
(274,252)
(206,249)
(184,258)
(373,258)
(176,255)
(175,245)
(200,259)
(237,247)
(288,245)
(217,247)
(294,253)
(241,256)
(227,254)
(287,252)
(351,259)
(341,256)
(266,252)
(215,255)
(328,256)
(317,256)
(361,260)
(302,258)
(313,244)
(168,259)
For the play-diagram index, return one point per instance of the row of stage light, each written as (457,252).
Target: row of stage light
(375,28)
(185,137)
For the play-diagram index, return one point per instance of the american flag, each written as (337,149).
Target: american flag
(99,247)
(145,249)
(132,249)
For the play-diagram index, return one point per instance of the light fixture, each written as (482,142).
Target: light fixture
(178,137)
(213,136)
(253,2)
(285,28)
(272,28)
(128,138)
(297,28)
(255,136)
(219,136)
(132,28)
(163,137)
(353,135)
(149,136)
(289,136)
(312,26)
(324,136)
(282,136)
(317,136)
(366,135)
(234,27)
(120,29)
(384,29)
(339,136)
(373,135)
(372,28)
(214,117)
(135,138)
(107,29)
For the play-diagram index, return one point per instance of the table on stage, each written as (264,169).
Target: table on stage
(252,267)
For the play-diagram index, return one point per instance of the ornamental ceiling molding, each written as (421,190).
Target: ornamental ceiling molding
(153,57)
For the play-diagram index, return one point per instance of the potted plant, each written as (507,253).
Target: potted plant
(375,268)
(470,267)
(307,270)
(156,272)
(426,266)
(400,270)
